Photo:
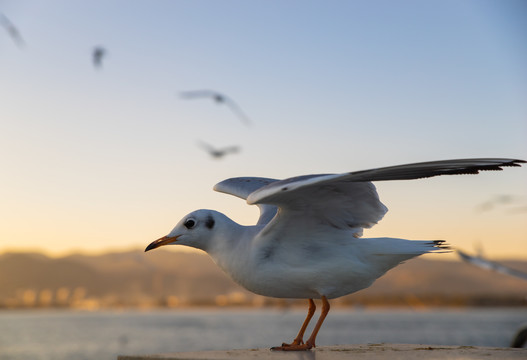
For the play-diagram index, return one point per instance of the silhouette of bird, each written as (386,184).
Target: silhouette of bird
(11,30)
(307,242)
(219,98)
(218,153)
(97,56)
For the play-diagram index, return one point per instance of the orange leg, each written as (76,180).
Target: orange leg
(300,337)
(298,343)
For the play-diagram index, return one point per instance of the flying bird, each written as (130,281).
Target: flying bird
(219,98)
(491,265)
(98,54)
(509,202)
(11,30)
(495,201)
(218,153)
(307,242)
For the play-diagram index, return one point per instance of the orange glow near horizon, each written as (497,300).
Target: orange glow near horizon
(107,159)
(416,211)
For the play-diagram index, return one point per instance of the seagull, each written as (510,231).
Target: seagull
(11,30)
(307,241)
(218,153)
(491,265)
(97,55)
(219,98)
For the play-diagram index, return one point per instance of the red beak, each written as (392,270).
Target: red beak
(165,240)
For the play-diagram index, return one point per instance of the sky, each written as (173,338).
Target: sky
(104,159)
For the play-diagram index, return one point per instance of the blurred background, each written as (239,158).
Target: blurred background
(118,117)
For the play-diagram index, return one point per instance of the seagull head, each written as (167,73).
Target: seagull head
(194,230)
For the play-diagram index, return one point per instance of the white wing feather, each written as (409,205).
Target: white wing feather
(325,200)
(243,186)
(349,200)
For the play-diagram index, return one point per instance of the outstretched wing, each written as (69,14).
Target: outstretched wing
(242,186)
(323,200)
(201,94)
(237,110)
(433,168)
(230,149)
(349,200)
(206,146)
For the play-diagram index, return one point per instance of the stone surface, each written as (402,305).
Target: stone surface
(338,352)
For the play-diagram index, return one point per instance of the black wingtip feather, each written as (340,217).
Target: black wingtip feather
(441,244)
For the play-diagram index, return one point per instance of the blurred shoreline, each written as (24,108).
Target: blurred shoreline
(171,280)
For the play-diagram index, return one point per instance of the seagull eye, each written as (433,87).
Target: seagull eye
(190,223)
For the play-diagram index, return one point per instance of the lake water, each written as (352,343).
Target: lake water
(65,334)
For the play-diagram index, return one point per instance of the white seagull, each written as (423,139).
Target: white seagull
(306,243)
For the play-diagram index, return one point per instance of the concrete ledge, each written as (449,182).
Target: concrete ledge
(341,352)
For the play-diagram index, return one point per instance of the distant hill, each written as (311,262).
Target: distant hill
(166,278)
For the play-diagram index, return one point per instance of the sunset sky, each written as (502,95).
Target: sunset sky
(97,159)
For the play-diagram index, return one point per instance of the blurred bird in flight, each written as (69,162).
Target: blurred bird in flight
(491,265)
(11,30)
(512,203)
(97,56)
(219,98)
(218,153)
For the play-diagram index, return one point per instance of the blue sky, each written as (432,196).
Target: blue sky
(98,159)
